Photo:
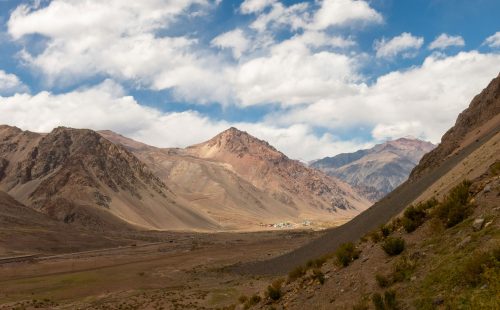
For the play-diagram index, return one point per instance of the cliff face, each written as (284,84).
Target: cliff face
(377,171)
(483,111)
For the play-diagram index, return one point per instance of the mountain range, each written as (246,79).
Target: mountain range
(377,171)
(104,181)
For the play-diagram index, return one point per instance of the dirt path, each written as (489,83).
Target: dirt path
(380,213)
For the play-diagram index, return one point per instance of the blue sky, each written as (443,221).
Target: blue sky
(314,78)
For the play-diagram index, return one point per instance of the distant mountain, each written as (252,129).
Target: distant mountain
(377,171)
(242,181)
(77,176)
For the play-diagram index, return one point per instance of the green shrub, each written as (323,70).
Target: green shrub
(316,263)
(274,290)
(346,253)
(385,230)
(375,236)
(413,217)
(455,207)
(382,280)
(390,300)
(318,275)
(296,273)
(478,264)
(402,269)
(255,299)
(378,301)
(393,246)
(273,293)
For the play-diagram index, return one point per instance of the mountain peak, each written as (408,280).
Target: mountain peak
(235,141)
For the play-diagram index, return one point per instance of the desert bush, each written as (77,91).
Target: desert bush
(296,273)
(393,246)
(378,301)
(346,253)
(382,280)
(375,236)
(455,207)
(475,268)
(388,302)
(252,301)
(318,275)
(242,299)
(413,217)
(274,290)
(402,269)
(385,230)
(316,263)
(361,305)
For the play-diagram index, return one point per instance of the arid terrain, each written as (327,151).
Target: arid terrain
(432,243)
(377,171)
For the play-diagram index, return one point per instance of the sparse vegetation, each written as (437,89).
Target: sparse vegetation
(385,230)
(393,246)
(382,280)
(480,266)
(318,275)
(388,302)
(252,301)
(274,290)
(402,269)
(346,253)
(317,263)
(242,299)
(455,207)
(296,273)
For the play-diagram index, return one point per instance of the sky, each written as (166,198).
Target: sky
(313,78)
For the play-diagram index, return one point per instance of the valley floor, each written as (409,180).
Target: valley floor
(184,271)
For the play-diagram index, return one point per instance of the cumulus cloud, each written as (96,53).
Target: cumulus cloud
(293,73)
(10,83)
(423,101)
(342,12)
(255,6)
(82,43)
(444,41)
(107,106)
(404,43)
(493,40)
(234,40)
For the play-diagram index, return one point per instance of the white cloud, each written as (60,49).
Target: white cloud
(295,16)
(342,12)
(10,83)
(106,106)
(255,6)
(405,42)
(235,40)
(119,39)
(294,74)
(493,40)
(423,101)
(444,41)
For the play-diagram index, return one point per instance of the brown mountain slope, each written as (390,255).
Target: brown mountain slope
(241,182)
(78,177)
(428,173)
(269,169)
(377,171)
(24,230)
